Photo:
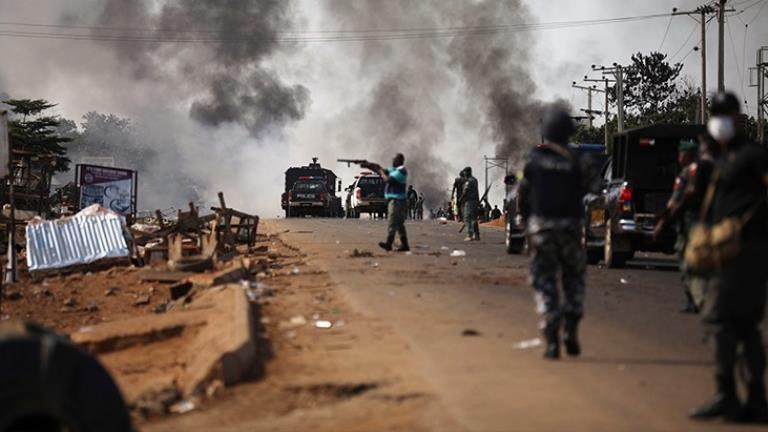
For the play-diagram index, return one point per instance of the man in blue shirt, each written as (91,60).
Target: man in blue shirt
(395,180)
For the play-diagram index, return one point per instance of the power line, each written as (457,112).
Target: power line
(666,33)
(162,36)
(684,44)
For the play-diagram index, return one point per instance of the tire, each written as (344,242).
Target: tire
(47,383)
(612,258)
(514,246)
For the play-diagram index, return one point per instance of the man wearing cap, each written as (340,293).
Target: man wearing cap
(735,296)
(683,209)
(550,199)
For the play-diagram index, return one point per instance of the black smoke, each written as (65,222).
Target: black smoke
(221,60)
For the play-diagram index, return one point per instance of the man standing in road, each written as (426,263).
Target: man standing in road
(395,179)
(735,296)
(420,207)
(412,197)
(470,201)
(683,209)
(550,195)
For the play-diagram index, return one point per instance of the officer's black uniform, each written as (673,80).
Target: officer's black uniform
(735,294)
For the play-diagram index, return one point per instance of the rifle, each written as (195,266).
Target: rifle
(484,198)
(362,162)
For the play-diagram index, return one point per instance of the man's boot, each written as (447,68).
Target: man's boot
(552,336)
(571,337)
(756,408)
(725,404)
(387,245)
(403,245)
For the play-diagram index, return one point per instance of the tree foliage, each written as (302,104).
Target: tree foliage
(31,130)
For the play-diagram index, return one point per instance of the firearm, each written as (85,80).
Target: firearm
(362,162)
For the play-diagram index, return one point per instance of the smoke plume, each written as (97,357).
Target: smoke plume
(236,86)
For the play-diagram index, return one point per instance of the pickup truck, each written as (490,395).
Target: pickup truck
(637,183)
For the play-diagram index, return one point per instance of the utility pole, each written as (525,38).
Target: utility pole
(607,112)
(762,95)
(496,162)
(721,46)
(702,12)
(618,73)
(589,111)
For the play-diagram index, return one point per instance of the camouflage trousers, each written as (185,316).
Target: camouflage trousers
(558,252)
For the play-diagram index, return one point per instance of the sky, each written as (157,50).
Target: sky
(347,83)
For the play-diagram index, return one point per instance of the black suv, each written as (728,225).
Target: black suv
(515,231)
(637,181)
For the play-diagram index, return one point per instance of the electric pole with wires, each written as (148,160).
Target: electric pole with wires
(617,71)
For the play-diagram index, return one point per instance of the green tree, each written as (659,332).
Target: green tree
(31,130)
(588,135)
(650,85)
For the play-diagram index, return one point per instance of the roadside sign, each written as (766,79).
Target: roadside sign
(5,148)
(104,161)
(113,188)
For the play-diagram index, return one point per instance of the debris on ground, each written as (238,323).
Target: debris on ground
(458,253)
(322,324)
(361,253)
(470,332)
(527,344)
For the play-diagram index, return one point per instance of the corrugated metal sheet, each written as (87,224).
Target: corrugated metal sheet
(90,235)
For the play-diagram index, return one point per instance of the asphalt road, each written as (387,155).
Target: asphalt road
(644,364)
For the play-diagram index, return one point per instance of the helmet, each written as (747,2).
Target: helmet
(724,104)
(557,126)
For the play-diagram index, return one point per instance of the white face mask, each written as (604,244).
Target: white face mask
(721,128)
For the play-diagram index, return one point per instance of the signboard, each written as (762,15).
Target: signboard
(113,188)
(5,148)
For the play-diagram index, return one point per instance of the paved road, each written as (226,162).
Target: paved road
(644,363)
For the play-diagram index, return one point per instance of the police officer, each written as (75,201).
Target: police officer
(395,179)
(412,197)
(683,208)
(550,195)
(456,198)
(470,196)
(736,291)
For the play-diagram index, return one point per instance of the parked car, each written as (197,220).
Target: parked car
(516,241)
(366,195)
(637,183)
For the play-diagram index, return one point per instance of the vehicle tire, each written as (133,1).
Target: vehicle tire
(47,383)
(357,213)
(515,246)
(612,258)
(287,213)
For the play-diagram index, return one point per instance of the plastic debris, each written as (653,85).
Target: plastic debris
(295,271)
(182,407)
(458,253)
(470,332)
(323,324)
(527,344)
(623,281)
(297,320)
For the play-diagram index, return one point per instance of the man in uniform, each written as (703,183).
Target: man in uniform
(456,198)
(420,207)
(395,179)
(550,198)
(495,213)
(734,303)
(412,197)
(683,209)
(470,201)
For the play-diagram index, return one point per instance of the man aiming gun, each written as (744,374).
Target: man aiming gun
(395,181)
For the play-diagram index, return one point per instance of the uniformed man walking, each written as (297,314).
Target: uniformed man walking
(395,180)
(470,196)
(683,209)
(734,303)
(550,200)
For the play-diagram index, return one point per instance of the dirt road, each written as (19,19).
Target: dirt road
(643,366)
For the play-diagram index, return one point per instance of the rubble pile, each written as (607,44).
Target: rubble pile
(167,306)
